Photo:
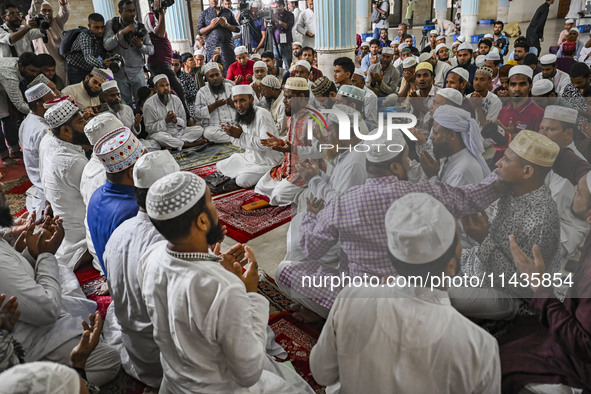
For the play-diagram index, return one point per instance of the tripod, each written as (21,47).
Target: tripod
(424,40)
(270,43)
(246,39)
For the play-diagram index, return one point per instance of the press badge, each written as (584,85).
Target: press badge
(283,38)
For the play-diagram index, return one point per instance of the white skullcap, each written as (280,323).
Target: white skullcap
(462,72)
(198,52)
(352,92)
(523,70)
(419,229)
(173,195)
(562,114)
(242,89)
(423,57)
(304,63)
(434,32)
(296,83)
(456,43)
(153,166)
(409,62)
(101,125)
(40,78)
(439,46)
(494,56)
(159,77)
(240,50)
(466,46)
(210,66)
(60,113)
(40,377)
(461,38)
(571,21)
(542,87)
(45,2)
(255,4)
(452,95)
(368,39)
(255,56)
(548,59)
(365,44)
(110,85)
(574,29)
(387,51)
(402,46)
(394,44)
(440,38)
(37,92)
(383,149)
(479,61)
(359,71)
(488,35)
(271,81)
(296,43)
(434,20)
(259,64)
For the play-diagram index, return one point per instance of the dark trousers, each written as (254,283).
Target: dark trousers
(9,136)
(75,75)
(166,69)
(286,54)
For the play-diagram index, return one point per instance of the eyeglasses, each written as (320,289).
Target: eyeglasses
(14,14)
(47,11)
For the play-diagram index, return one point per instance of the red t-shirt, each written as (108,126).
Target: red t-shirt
(237,69)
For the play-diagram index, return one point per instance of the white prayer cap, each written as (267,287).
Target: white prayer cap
(153,166)
(40,78)
(494,56)
(173,195)
(255,56)
(423,57)
(45,2)
(240,50)
(523,70)
(359,72)
(488,35)
(402,46)
(102,73)
(434,32)
(259,64)
(452,95)
(159,77)
(571,21)
(440,38)
(37,92)
(368,39)
(365,44)
(419,229)
(210,66)
(456,43)
(242,89)
(562,114)
(256,4)
(352,92)
(434,20)
(110,85)
(542,87)
(480,59)
(304,63)
(118,150)
(466,46)
(574,29)
(394,44)
(409,62)
(60,113)
(548,59)
(296,83)
(387,51)
(461,38)
(198,52)
(383,149)
(439,46)
(296,43)
(462,72)
(40,377)
(271,81)
(101,125)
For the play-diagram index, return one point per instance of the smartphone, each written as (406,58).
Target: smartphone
(101,108)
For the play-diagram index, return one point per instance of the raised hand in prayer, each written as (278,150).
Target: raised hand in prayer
(315,205)
(308,170)
(89,112)
(276,143)
(88,342)
(476,226)
(376,78)
(532,268)
(233,130)
(170,117)
(238,79)
(48,239)
(9,313)
(250,277)
(234,255)
(429,165)
(21,241)
(421,140)
(249,77)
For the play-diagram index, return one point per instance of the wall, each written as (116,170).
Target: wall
(80,9)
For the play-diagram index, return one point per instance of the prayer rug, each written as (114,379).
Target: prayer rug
(16,194)
(204,171)
(204,154)
(269,289)
(90,281)
(244,225)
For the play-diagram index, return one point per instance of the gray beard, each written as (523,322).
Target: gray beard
(165,98)
(116,107)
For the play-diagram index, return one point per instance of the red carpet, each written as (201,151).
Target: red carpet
(244,225)
(90,281)
(204,171)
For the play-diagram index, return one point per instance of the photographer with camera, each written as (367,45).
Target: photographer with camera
(217,24)
(283,21)
(87,51)
(16,36)
(257,31)
(128,38)
(379,16)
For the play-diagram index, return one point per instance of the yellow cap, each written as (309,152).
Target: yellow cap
(424,66)
(535,148)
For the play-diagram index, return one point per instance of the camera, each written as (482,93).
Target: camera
(117,63)
(166,3)
(426,32)
(140,31)
(42,22)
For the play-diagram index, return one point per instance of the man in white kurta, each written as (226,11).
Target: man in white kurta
(272,99)
(111,95)
(370,99)
(550,71)
(248,167)
(422,345)
(165,118)
(306,25)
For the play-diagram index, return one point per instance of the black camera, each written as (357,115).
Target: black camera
(426,32)
(117,63)
(140,31)
(42,21)
(166,3)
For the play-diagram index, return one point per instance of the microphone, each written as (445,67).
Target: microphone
(496,136)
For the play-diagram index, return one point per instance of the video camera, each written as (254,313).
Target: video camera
(42,22)
(117,63)
(246,16)
(426,32)
(164,4)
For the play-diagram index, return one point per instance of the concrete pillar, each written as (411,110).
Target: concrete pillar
(503,11)
(104,7)
(177,26)
(469,17)
(362,23)
(440,12)
(335,32)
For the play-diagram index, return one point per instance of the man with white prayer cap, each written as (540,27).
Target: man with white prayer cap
(31,131)
(113,202)
(213,105)
(432,43)
(550,71)
(452,97)
(205,330)
(370,99)
(272,99)
(166,120)
(526,211)
(382,78)
(486,103)
(459,355)
(442,53)
(408,84)
(568,24)
(543,88)
(111,95)
(87,92)
(259,72)
(140,356)
(464,58)
(241,71)
(252,124)
(441,67)
(493,61)
(62,162)
(42,377)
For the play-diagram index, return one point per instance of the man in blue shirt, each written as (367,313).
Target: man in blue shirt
(402,31)
(115,201)
(373,57)
(257,29)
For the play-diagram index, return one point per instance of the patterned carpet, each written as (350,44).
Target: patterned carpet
(204,154)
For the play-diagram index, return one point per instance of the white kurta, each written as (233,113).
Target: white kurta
(81,97)
(370,108)
(140,356)
(62,165)
(93,177)
(169,134)
(31,131)
(306,23)
(279,117)
(126,116)
(422,345)
(248,167)
(560,80)
(210,331)
(460,169)
(211,122)
(440,71)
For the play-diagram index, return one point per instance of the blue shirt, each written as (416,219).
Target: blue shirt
(414,40)
(109,206)
(366,62)
(257,26)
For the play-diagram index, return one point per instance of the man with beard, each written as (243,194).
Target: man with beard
(252,124)
(440,67)
(273,101)
(296,48)
(493,61)
(86,93)
(112,97)
(259,72)
(457,78)
(166,121)
(114,202)
(373,57)
(383,78)
(16,38)
(187,82)
(370,99)
(308,55)
(324,91)
(499,39)
(464,58)
(214,104)
(442,53)
(520,51)
(559,78)
(62,161)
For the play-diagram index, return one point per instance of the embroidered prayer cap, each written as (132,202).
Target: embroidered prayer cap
(462,72)
(118,150)
(452,95)
(100,73)
(542,87)
(321,86)
(271,81)
(153,166)
(479,61)
(304,63)
(562,114)
(424,66)
(419,228)
(434,32)
(210,66)
(365,44)
(296,83)
(110,85)
(409,62)
(51,103)
(352,92)
(387,51)
(439,46)
(466,46)
(159,77)
(359,72)
(423,57)
(173,195)
(259,64)
(535,148)
(101,125)
(60,113)
(37,92)
(570,21)
(523,70)
(493,56)
(41,78)
(296,43)
(40,377)
(548,59)
(383,149)
(240,50)
(242,89)
(485,70)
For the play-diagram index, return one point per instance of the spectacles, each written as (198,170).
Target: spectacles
(14,14)
(47,11)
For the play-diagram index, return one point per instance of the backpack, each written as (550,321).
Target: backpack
(68,38)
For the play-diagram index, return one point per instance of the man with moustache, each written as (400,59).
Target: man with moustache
(112,97)
(272,99)
(86,93)
(383,78)
(464,58)
(440,66)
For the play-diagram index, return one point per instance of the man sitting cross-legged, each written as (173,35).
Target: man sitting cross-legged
(272,99)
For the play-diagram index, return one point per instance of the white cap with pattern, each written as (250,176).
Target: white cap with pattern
(37,92)
(101,125)
(110,85)
(60,113)
(173,195)
(383,149)
(259,64)
(271,81)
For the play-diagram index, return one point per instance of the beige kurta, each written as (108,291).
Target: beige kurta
(81,97)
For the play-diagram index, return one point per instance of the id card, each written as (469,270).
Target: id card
(283,38)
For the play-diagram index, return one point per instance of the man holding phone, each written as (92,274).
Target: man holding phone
(217,25)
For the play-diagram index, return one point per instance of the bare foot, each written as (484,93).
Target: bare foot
(103,290)
(307,316)
(295,307)
(195,143)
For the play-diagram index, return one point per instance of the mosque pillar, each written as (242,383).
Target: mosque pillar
(469,17)
(177,26)
(441,9)
(503,11)
(104,7)
(362,22)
